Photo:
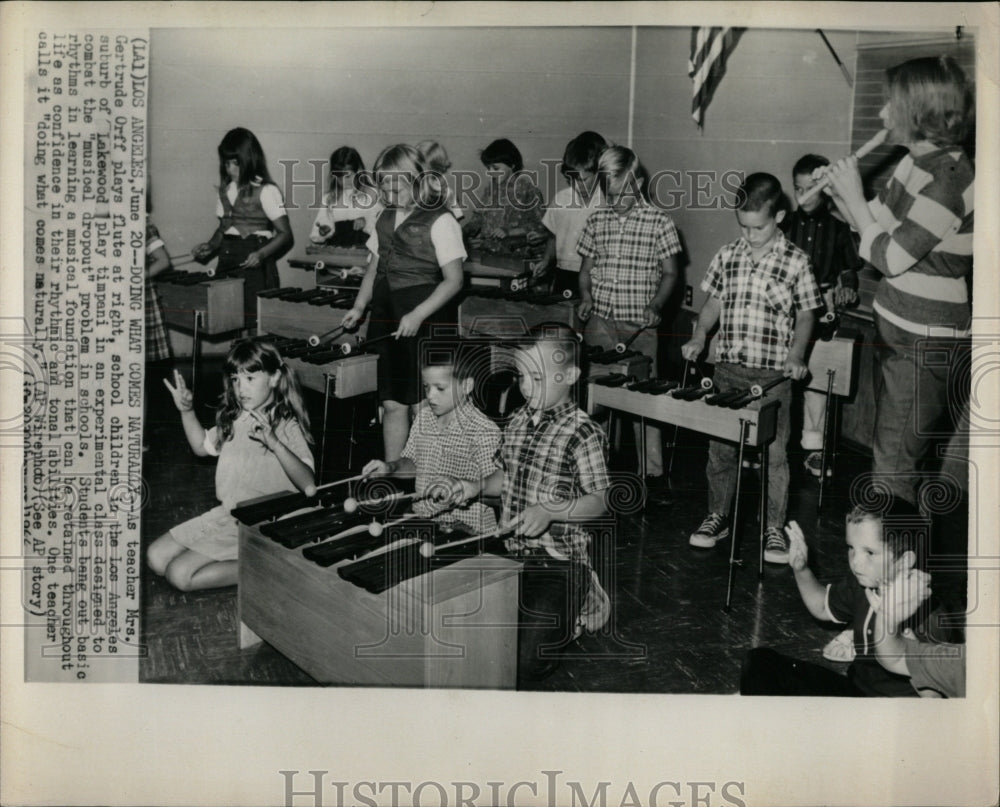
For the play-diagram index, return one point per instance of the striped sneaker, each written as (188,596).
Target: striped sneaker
(712,530)
(775,546)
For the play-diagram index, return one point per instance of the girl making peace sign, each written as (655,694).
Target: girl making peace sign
(261,437)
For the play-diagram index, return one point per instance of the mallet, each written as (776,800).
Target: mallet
(318,339)
(621,347)
(347,349)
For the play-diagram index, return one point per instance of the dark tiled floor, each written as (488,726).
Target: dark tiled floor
(669,634)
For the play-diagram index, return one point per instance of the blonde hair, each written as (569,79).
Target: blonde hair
(435,157)
(931,100)
(617,163)
(429,190)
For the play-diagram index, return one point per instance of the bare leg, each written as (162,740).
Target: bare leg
(161,552)
(192,571)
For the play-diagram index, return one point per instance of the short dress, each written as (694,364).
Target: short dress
(157,341)
(246,470)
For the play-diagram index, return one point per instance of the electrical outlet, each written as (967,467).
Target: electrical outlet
(689,295)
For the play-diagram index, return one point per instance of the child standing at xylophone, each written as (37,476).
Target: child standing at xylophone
(261,437)
(513,205)
(881,544)
(437,159)
(571,207)
(411,283)
(762,293)
(349,200)
(450,437)
(918,234)
(629,268)
(553,468)
(833,252)
(253,225)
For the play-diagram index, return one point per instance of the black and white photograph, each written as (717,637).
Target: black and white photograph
(418,403)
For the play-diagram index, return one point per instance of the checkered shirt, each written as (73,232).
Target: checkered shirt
(465,449)
(562,457)
(627,254)
(759,301)
(157,341)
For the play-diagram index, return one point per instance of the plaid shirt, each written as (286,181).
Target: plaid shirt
(465,449)
(627,254)
(562,457)
(759,301)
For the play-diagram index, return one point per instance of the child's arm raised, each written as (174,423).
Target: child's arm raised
(184,401)
(900,599)
(813,592)
(707,319)
(300,473)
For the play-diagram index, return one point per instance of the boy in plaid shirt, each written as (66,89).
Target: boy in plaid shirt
(449,436)
(552,468)
(629,268)
(763,294)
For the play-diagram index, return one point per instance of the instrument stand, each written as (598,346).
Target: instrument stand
(195,349)
(734,527)
(832,402)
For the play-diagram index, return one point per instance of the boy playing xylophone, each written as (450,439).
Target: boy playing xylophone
(553,468)
(449,437)
(762,292)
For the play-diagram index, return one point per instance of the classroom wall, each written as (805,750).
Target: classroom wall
(305,92)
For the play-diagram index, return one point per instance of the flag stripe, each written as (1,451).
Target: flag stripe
(710,47)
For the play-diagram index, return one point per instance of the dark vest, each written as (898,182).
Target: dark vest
(246,214)
(406,255)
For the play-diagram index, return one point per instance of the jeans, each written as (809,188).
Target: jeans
(911,381)
(722,456)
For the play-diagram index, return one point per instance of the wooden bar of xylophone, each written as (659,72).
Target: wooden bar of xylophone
(396,618)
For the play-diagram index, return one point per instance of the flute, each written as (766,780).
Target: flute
(866,149)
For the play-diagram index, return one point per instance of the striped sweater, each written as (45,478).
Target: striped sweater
(921,241)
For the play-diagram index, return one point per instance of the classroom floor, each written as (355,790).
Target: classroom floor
(669,632)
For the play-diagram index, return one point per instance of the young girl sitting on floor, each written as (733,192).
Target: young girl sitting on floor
(261,437)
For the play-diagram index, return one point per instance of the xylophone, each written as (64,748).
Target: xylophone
(753,424)
(510,314)
(354,605)
(305,325)
(201,301)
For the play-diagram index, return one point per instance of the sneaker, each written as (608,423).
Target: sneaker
(753,463)
(775,546)
(841,648)
(814,464)
(712,530)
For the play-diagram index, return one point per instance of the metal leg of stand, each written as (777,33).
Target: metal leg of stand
(642,455)
(673,442)
(734,524)
(763,508)
(830,375)
(326,415)
(350,439)
(195,343)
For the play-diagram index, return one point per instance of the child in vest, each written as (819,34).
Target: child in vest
(449,437)
(349,201)
(253,225)
(411,282)
(629,250)
(762,293)
(571,207)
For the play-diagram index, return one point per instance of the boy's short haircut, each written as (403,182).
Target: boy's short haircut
(761,191)
(904,528)
(809,163)
(561,336)
(463,357)
(502,151)
(582,153)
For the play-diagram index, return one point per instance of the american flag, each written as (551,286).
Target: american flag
(710,47)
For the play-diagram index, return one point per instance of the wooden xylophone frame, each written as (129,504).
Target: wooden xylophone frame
(452,627)
(344,378)
(754,426)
